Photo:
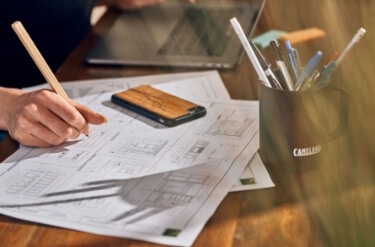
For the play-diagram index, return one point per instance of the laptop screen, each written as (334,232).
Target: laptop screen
(177,34)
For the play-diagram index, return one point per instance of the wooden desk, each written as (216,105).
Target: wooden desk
(331,205)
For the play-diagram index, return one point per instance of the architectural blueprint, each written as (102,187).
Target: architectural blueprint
(133,177)
(206,85)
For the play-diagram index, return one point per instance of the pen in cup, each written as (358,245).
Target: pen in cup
(326,73)
(331,66)
(296,59)
(293,58)
(280,62)
(356,38)
(308,71)
(249,51)
(311,80)
(266,67)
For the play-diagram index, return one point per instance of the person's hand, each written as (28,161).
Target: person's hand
(42,118)
(135,4)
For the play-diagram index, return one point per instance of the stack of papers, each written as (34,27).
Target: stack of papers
(133,177)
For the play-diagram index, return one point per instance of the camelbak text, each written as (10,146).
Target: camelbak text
(297,152)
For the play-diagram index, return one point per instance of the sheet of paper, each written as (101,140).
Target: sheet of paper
(133,177)
(191,85)
(255,176)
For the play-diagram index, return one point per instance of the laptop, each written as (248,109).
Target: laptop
(178,34)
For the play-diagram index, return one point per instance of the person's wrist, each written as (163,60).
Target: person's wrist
(3,104)
(8,97)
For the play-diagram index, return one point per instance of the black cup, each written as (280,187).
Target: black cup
(296,126)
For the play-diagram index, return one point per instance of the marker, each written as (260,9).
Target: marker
(308,71)
(280,62)
(266,67)
(356,38)
(249,51)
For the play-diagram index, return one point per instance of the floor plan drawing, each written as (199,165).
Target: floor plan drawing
(133,178)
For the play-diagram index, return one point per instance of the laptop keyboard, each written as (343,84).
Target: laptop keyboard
(211,28)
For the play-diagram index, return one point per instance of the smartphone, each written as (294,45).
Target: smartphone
(158,105)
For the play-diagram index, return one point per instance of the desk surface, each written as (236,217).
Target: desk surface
(330,205)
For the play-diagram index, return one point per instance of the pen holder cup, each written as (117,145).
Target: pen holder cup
(296,126)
